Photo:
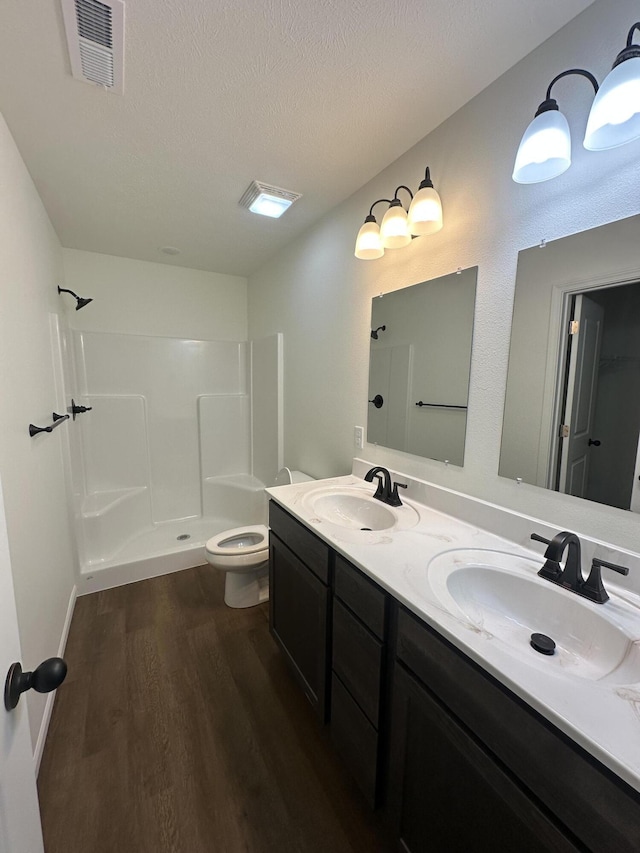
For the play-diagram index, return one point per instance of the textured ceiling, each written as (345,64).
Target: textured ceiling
(316,96)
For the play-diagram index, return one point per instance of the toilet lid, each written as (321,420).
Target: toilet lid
(240,540)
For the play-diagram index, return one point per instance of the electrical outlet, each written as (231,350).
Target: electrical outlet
(358,437)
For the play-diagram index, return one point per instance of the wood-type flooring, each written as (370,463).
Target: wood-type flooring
(179,729)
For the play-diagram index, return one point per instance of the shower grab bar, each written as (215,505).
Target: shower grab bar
(57,420)
(439,405)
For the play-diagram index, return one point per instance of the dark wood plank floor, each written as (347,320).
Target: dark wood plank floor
(180,730)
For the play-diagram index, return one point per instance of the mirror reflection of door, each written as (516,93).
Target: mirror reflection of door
(580,395)
(599,426)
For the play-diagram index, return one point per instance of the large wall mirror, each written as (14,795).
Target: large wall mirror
(572,409)
(419,365)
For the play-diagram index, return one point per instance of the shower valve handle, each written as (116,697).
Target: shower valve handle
(78,410)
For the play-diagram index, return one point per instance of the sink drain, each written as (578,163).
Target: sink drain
(543,644)
(183,536)
(365,528)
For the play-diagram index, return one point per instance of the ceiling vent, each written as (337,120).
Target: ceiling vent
(267,200)
(95,36)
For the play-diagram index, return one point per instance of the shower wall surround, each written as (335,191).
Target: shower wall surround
(168,438)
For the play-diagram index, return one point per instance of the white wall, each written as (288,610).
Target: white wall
(40,540)
(143,298)
(319,295)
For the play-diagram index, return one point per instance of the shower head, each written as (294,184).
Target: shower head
(374,332)
(81,301)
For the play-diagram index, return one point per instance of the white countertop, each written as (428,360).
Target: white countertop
(602,717)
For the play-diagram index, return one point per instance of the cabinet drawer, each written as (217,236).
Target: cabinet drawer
(361,595)
(355,739)
(598,807)
(313,552)
(357,659)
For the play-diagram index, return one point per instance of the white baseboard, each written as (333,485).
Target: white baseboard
(48,708)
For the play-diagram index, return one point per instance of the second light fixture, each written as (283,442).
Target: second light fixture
(614,119)
(398,225)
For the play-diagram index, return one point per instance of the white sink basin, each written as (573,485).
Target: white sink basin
(352,510)
(500,596)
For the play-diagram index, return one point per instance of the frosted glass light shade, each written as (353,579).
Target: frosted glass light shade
(368,243)
(394,228)
(615,113)
(425,213)
(545,150)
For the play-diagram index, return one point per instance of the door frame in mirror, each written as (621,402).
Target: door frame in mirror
(549,274)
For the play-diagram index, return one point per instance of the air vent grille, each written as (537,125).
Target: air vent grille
(95,37)
(97,64)
(256,187)
(94,22)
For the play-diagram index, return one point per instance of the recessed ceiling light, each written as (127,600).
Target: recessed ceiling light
(266,200)
(170,250)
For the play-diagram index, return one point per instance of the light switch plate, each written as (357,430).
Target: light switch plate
(358,437)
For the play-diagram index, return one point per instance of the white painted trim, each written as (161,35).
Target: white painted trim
(48,708)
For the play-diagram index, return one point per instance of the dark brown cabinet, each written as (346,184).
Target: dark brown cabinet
(299,603)
(469,760)
(447,794)
(457,761)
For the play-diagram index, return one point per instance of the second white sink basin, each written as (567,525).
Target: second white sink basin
(500,596)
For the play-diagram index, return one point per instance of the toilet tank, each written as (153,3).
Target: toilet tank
(286,476)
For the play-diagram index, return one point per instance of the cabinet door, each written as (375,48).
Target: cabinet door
(447,794)
(298,616)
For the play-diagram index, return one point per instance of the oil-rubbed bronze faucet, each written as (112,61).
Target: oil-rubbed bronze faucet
(571,576)
(386,491)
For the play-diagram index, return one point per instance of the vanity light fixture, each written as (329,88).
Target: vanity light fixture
(399,225)
(614,119)
(615,113)
(545,149)
(266,200)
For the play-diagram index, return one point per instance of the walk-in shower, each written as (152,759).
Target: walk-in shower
(172,450)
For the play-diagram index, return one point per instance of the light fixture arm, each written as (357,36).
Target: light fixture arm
(396,200)
(635,27)
(427,183)
(550,103)
(371,217)
(631,51)
(580,71)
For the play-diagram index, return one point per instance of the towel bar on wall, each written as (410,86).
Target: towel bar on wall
(57,420)
(438,405)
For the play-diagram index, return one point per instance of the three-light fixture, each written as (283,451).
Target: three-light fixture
(399,225)
(614,119)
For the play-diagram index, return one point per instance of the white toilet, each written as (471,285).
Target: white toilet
(243,553)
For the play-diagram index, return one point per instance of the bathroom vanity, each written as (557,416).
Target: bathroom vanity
(439,730)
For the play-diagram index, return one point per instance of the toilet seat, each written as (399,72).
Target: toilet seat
(239,548)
